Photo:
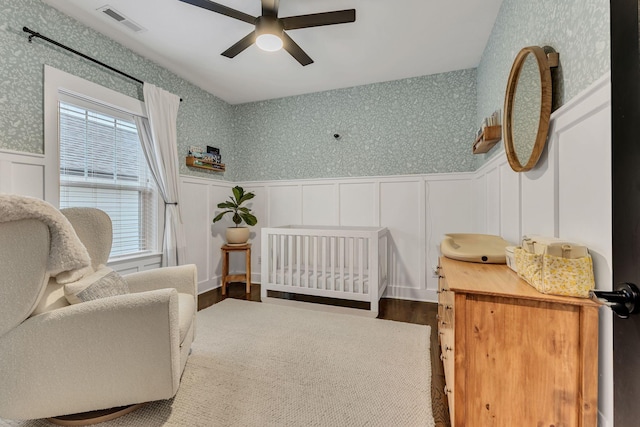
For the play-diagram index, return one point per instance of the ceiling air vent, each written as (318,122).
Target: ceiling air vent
(121,19)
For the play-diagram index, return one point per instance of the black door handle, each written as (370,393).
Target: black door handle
(624,301)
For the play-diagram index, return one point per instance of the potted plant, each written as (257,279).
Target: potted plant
(237,235)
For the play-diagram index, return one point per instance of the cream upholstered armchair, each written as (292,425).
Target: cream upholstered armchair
(58,358)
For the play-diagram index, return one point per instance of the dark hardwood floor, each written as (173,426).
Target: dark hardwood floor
(422,313)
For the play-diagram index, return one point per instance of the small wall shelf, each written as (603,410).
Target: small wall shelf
(206,164)
(487,139)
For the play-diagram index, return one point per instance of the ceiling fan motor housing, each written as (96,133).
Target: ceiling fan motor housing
(268,25)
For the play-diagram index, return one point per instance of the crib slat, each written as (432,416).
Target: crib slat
(323,278)
(274,258)
(361,265)
(290,259)
(305,260)
(373,272)
(341,256)
(314,239)
(352,247)
(332,262)
(298,258)
(282,254)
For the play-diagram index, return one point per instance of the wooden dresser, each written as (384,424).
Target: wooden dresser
(513,356)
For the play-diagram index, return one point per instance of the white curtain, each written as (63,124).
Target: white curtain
(158,135)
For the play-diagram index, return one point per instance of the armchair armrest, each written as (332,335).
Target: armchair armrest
(183,278)
(97,354)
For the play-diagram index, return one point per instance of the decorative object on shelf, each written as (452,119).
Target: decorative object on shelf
(214,153)
(489,133)
(210,160)
(237,235)
(527,106)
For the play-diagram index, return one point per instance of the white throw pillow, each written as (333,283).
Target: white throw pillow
(102,283)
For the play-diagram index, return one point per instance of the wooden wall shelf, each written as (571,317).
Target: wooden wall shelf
(488,138)
(200,163)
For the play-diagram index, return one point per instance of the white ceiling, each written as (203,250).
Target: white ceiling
(388,41)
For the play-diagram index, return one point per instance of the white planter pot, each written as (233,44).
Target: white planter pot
(237,235)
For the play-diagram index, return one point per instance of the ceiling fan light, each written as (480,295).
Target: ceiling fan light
(269,42)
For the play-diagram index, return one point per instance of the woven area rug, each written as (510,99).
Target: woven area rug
(258,364)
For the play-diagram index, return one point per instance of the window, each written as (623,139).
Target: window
(102,165)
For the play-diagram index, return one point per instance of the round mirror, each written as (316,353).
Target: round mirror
(527,108)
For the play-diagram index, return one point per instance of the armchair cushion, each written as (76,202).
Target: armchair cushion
(187,309)
(104,282)
(52,298)
(24,250)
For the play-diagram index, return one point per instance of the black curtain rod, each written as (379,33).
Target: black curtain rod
(47,39)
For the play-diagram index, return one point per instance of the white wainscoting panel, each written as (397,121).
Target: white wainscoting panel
(126,266)
(402,212)
(492,200)
(258,206)
(284,204)
(510,227)
(194,197)
(479,198)
(23,173)
(320,204)
(539,195)
(358,204)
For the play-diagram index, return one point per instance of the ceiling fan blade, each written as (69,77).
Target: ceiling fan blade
(294,50)
(270,8)
(224,10)
(244,43)
(319,19)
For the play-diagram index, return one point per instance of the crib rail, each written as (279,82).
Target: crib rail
(347,263)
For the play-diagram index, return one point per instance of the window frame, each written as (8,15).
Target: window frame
(58,85)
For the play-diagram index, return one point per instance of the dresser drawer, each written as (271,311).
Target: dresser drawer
(448,361)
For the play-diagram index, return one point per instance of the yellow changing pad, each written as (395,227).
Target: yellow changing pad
(483,248)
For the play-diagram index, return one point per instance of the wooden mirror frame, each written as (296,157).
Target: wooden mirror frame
(545,107)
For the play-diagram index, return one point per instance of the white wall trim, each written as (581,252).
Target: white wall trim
(22,173)
(446,176)
(6,153)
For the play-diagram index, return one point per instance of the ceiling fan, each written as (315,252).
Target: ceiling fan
(269,33)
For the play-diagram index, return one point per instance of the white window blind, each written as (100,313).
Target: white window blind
(102,166)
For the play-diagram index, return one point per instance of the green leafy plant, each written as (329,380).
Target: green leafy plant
(234,206)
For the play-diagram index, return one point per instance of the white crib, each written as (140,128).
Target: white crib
(336,262)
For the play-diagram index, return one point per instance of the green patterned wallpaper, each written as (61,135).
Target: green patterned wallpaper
(203,119)
(418,125)
(577,29)
(410,126)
